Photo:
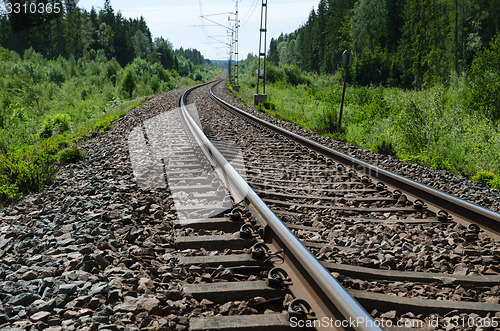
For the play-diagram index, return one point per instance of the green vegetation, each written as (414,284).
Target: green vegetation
(70,155)
(487,178)
(47,105)
(54,92)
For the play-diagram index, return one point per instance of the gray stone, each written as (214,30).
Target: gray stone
(41,305)
(4,318)
(60,300)
(29,275)
(101,319)
(22,314)
(12,288)
(67,289)
(40,316)
(114,296)
(89,265)
(87,249)
(23,299)
(99,288)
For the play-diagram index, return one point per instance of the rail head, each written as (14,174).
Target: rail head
(330,287)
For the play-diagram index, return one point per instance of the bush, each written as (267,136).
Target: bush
(112,68)
(155,85)
(294,75)
(328,122)
(55,74)
(483,176)
(495,182)
(385,148)
(410,125)
(70,155)
(28,170)
(104,124)
(58,123)
(266,105)
(274,74)
(8,192)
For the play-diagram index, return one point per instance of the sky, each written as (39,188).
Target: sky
(180,22)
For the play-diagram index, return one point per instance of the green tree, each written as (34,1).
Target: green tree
(273,56)
(484,81)
(129,83)
(142,45)
(164,49)
(369,24)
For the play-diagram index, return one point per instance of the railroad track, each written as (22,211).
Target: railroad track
(404,251)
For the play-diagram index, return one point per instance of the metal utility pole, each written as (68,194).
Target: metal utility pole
(235,82)
(230,65)
(236,87)
(346,63)
(261,73)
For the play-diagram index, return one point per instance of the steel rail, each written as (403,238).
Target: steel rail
(456,207)
(333,294)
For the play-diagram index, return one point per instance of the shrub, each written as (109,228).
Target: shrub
(268,105)
(28,169)
(495,182)
(410,125)
(483,176)
(70,155)
(385,148)
(294,75)
(154,83)
(58,123)
(371,68)
(104,124)
(274,74)
(55,74)
(112,68)
(8,192)
(328,121)
(487,177)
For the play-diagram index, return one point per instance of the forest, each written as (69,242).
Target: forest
(410,44)
(64,77)
(424,84)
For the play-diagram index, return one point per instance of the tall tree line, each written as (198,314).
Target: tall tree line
(76,31)
(409,43)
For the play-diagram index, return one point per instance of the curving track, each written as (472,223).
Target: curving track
(400,248)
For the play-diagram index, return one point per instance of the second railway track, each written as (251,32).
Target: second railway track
(402,256)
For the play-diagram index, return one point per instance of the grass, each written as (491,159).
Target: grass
(433,127)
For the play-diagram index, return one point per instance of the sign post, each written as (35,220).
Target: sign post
(346,63)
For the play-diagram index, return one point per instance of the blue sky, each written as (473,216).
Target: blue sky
(180,22)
